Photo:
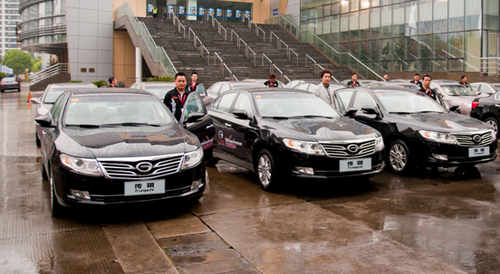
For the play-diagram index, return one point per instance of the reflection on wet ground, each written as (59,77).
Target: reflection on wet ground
(437,221)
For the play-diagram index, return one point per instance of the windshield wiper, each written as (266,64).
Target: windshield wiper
(401,112)
(276,117)
(130,124)
(84,126)
(312,116)
(429,111)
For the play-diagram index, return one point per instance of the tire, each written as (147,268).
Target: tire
(37,141)
(267,172)
(212,162)
(398,157)
(492,121)
(56,209)
(44,172)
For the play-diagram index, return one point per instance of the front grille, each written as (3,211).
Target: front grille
(474,139)
(141,168)
(341,149)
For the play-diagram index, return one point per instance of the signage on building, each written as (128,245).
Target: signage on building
(211,11)
(275,12)
(150,8)
(192,10)
(229,13)
(170,9)
(247,14)
(201,11)
(238,13)
(219,12)
(182,9)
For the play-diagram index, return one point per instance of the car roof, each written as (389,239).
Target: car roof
(157,83)
(447,84)
(488,83)
(71,85)
(109,91)
(273,90)
(392,88)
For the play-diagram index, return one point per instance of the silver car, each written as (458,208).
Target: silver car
(456,94)
(486,88)
(49,96)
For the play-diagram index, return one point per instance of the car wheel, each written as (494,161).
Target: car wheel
(44,172)
(494,123)
(212,162)
(398,158)
(56,208)
(266,171)
(37,141)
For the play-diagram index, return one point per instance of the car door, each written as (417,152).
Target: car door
(212,93)
(364,99)
(204,128)
(221,116)
(344,96)
(50,134)
(242,132)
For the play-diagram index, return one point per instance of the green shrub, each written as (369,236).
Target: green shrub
(2,75)
(76,81)
(100,83)
(161,79)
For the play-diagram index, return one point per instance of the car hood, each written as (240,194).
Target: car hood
(461,99)
(127,141)
(440,122)
(321,129)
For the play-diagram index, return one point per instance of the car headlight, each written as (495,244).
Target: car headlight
(379,144)
(81,165)
(192,158)
(305,147)
(440,137)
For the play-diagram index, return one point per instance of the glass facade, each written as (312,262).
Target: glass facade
(408,35)
(43,23)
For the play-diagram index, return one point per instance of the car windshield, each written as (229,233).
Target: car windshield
(123,110)
(407,103)
(458,90)
(51,95)
(497,88)
(159,91)
(292,105)
(8,79)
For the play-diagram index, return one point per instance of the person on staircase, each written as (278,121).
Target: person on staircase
(354,81)
(154,11)
(272,83)
(193,85)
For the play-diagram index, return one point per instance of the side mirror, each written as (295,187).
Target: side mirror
(369,110)
(194,117)
(44,121)
(478,93)
(35,101)
(350,111)
(454,107)
(241,114)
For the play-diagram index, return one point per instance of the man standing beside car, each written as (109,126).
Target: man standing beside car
(426,88)
(175,99)
(323,90)
(416,80)
(463,82)
(193,85)
(354,81)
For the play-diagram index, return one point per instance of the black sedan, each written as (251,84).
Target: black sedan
(417,130)
(108,147)
(488,110)
(288,132)
(10,83)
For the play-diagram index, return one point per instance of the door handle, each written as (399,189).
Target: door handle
(44,132)
(227,124)
(209,126)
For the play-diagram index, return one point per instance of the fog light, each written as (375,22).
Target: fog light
(196,184)
(443,157)
(305,170)
(80,194)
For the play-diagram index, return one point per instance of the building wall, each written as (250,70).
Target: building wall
(9,15)
(90,42)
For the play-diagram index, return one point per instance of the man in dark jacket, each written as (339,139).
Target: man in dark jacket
(426,88)
(354,81)
(175,99)
(112,82)
(193,85)
(463,82)
(416,80)
(272,83)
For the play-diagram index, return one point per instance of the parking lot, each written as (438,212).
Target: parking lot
(434,222)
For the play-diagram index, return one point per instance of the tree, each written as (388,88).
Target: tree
(17,60)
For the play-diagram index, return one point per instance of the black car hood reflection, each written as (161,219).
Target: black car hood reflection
(321,129)
(441,122)
(132,141)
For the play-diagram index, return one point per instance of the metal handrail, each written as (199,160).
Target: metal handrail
(257,29)
(237,36)
(157,54)
(309,57)
(336,55)
(277,38)
(278,45)
(490,66)
(219,27)
(272,66)
(281,73)
(223,65)
(48,72)
(296,55)
(179,26)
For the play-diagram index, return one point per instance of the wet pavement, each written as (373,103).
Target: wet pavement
(438,221)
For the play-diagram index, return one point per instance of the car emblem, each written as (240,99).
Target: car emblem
(353,148)
(144,166)
(220,134)
(477,138)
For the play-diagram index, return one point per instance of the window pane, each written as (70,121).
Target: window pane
(440,46)
(412,47)
(472,15)
(398,19)
(440,11)
(456,44)
(457,19)
(345,6)
(354,5)
(425,17)
(386,22)
(473,49)
(425,47)
(364,24)
(411,19)
(354,21)
(440,66)
(344,22)
(456,65)
(490,8)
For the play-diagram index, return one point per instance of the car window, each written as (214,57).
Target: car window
(484,89)
(55,111)
(134,86)
(226,101)
(216,103)
(345,96)
(214,89)
(194,104)
(224,88)
(362,100)
(243,103)
(201,89)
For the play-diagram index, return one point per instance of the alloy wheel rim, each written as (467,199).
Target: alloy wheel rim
(398,157)
(493,124)
(264,169)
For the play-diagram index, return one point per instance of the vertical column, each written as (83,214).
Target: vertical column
(138,65)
